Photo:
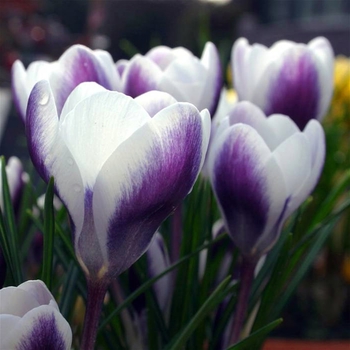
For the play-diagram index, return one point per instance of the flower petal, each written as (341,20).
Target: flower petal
(294,158)
(212,87)
(157,167)
(49,152)
(140,76)
(39,291)
(23,82)
(162,56)
(17,302)
(77,65)
(183,79)
(97,125)
(290,85)
(248,185)
(155,101)
(7,324)
(158,262)
(323,52)
(41,328)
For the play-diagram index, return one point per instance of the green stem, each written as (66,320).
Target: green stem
(96,293)
(247,277)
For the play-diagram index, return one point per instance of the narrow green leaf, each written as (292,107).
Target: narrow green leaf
(215,298)
(10,227)
(304,267)
(150,282)
(69,287)
(255,340)
(329,203)
(49,232)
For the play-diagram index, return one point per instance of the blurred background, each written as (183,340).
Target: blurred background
(43,29)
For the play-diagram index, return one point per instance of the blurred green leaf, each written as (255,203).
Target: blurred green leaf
(49,232)
(10,227)
(255,340)
(150,282)
(214,299)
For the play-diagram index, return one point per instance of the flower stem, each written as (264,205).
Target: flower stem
(247,277)
(176,233)
(96,293)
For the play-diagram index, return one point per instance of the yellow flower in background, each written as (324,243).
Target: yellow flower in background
(340,107)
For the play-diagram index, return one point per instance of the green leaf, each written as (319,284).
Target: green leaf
(255,340)
(215,298)
(10,227)
(304,267)
(68,295)
(49,232)
(150,282)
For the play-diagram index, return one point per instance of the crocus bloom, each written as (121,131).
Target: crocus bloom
(121,166)
(289,78)
(15,177)
(78,64)
(30,319)
(176,71)
(261,170)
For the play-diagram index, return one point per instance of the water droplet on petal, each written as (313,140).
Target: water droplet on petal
(70,161)
(44,99)
(77,188)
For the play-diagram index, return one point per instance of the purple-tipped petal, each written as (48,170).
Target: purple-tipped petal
(241,177)
(140,76)
(49,152)
(164,158)
(77,65)
(41,328)
(293,87)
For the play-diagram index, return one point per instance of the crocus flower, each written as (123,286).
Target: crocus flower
(261,170)
(78,64)
(176,71)
(121,166)
(30,319)
(289,78)
(15,177)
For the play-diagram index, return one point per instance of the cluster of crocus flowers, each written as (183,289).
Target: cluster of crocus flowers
(125,143)
(30,319)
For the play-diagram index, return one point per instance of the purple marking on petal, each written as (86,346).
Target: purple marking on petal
(158,186)
(88,244)
(141,77)
(44,335)
(241,190)
(34,128)
(83,67)
(295,91)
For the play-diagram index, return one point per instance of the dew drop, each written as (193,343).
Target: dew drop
(44,99)
(70,161)
(77,188)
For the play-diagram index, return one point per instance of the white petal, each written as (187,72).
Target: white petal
(95,128)
(155,101)
(294,158)
(39,291)
(41,328)
(281,127)
(7,325)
